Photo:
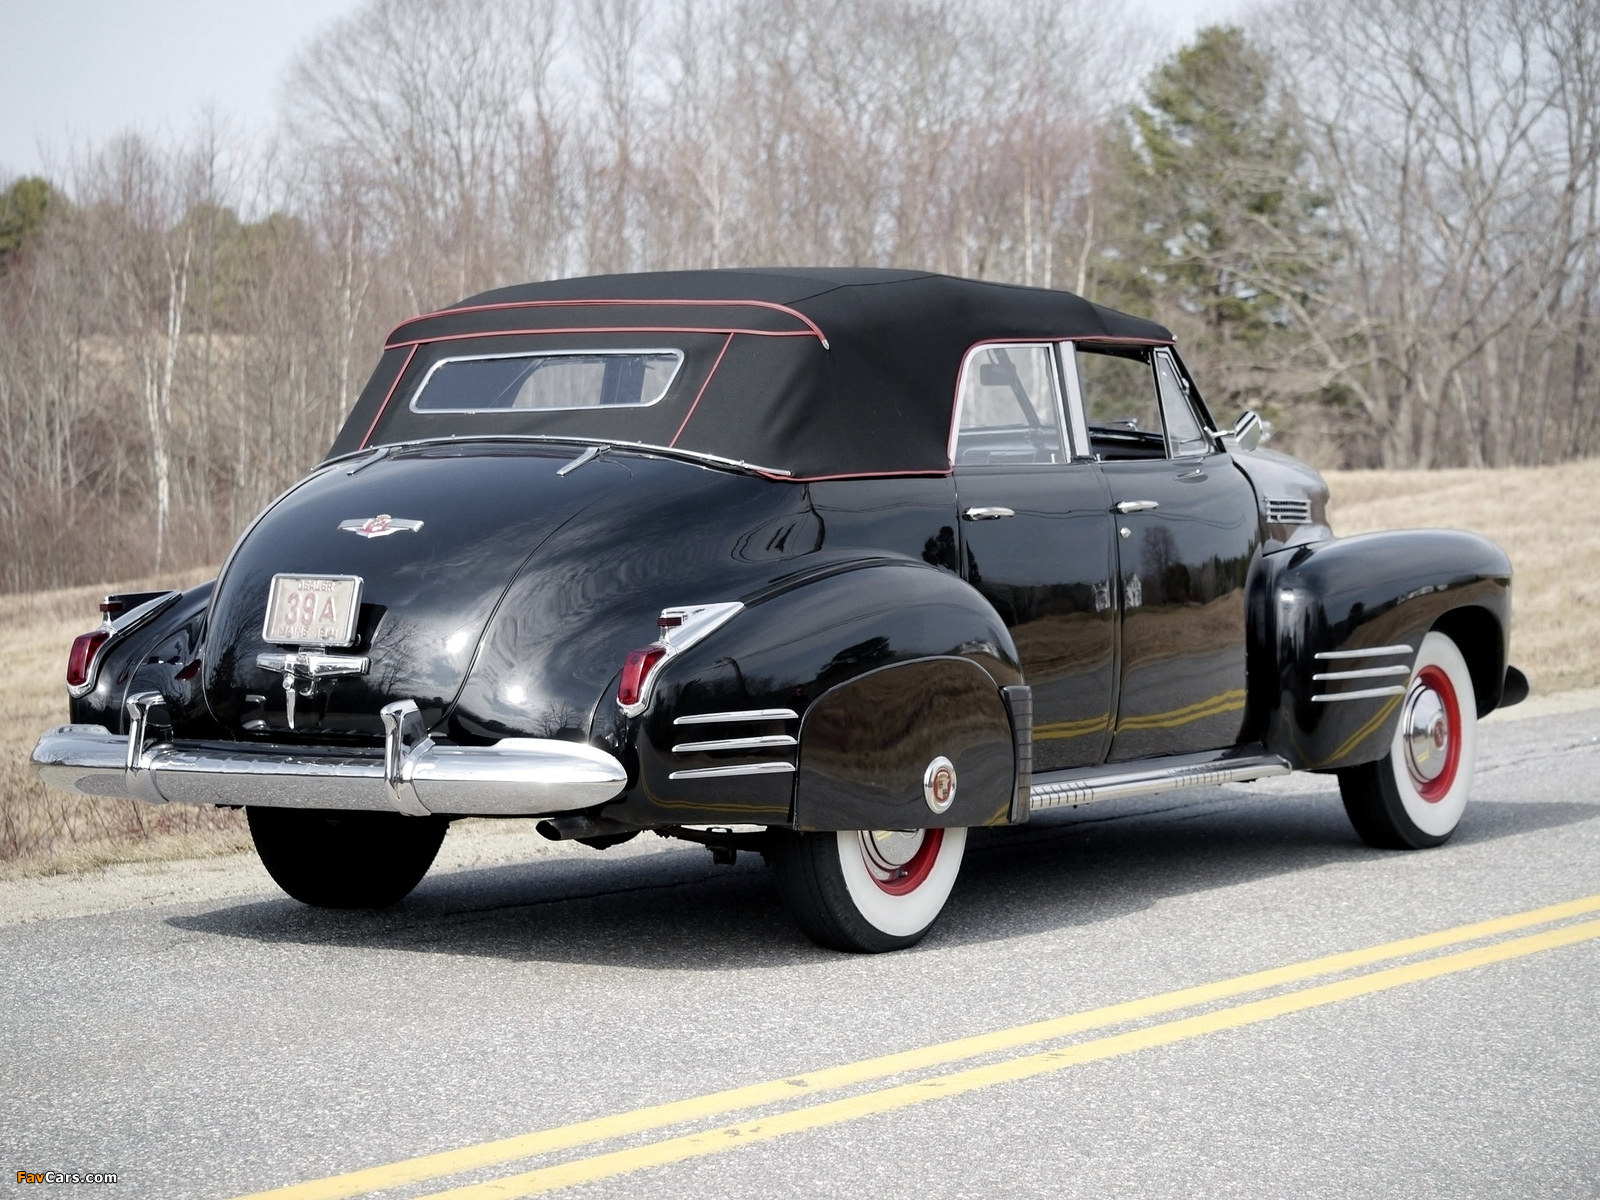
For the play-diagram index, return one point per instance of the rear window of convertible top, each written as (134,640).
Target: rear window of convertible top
(551,381)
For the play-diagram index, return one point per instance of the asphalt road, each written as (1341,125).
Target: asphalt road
(200,1036)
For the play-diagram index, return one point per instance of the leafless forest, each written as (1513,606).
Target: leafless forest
(1374,221)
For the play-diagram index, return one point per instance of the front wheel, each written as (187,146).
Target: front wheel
(1414,796)
(333,858)
(867,890)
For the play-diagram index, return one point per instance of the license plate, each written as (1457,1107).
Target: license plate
(313,610)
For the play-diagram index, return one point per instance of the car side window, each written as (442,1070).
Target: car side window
(1010,409)
(1120,402)
(1185,434)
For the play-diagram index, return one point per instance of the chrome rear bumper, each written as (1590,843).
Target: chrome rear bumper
(513,777)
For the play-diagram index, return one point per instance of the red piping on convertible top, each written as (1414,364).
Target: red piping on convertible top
(703,386)
(450,312)
(384,407)
(494,333)
(1128,341)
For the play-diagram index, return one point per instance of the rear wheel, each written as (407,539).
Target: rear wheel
(337,859)
(867,890)
(1414,796)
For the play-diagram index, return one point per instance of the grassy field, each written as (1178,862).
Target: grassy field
(1555,562)
(1555,639)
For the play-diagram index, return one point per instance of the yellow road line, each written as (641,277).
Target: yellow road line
(1070,729)
(658,1116)
(1210,707)
(956,1083)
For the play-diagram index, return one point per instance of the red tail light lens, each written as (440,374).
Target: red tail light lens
(636,673)
(81,661)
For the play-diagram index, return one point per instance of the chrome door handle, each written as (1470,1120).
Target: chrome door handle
(987,514)
(1130,506)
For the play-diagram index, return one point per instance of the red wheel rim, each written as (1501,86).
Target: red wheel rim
(915,871)
(1436,789)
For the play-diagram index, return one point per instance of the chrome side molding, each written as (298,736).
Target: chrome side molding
(745,743)
(1394,670)
(1059,789)
(1364,673)
(1374,652)
(1363,694)
(760,768)
(749,714)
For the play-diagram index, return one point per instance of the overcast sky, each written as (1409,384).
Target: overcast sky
(78,71)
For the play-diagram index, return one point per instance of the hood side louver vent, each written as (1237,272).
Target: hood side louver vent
(1283,510)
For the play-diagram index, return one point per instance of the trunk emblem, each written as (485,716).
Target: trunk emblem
(381,525)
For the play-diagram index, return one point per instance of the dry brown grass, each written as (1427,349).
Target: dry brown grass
(44,830)
(1541,515)
(1538,515)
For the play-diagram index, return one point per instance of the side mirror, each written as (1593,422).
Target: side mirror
(1247,433)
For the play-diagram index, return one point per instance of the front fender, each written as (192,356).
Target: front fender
(794,645)
(1365,603)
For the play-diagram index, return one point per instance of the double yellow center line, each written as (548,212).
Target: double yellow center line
(954,1083)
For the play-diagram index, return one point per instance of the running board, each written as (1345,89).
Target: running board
(1059,789)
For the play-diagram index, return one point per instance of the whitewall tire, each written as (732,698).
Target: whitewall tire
(1415,795)
(867,890)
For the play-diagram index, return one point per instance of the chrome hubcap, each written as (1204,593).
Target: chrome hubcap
(888,850)
(1427,734)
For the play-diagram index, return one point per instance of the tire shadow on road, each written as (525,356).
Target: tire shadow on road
(667,907)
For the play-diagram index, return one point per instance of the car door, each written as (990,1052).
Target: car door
(1036,534)
(1187,529)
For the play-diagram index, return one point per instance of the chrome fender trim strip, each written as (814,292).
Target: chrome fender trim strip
(749,714)
(761,768)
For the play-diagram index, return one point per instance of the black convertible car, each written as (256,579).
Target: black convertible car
(829,564)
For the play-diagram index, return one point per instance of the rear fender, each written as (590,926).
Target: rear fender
(865,668)
(1363,604)
(153,658)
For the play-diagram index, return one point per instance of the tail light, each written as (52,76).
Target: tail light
(80,662)
(680,628)
(635,684)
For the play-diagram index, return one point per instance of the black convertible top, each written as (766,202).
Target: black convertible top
(817,372)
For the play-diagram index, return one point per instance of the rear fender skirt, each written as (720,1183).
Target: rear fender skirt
(1342,621)
(726,739)
(869,749)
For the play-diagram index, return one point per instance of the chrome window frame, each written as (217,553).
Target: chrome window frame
(1184,397)
(1072,389)
(1044,344)
(569,352)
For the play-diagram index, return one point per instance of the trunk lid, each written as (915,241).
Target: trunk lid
(427,593)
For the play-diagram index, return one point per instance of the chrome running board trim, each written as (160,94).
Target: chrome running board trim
(1059,789)
(752,714)
(761,768)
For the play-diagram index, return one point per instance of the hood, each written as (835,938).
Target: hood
(509,609)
